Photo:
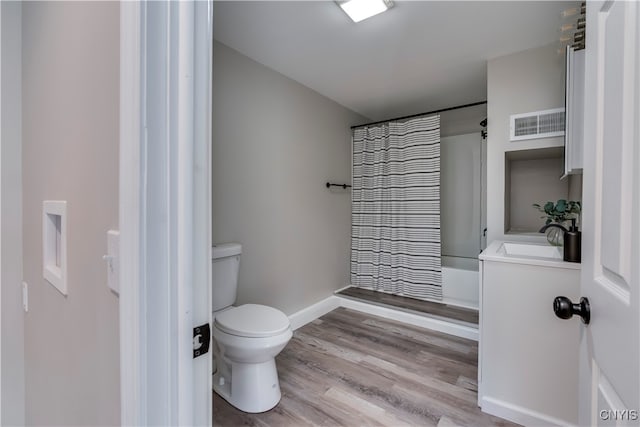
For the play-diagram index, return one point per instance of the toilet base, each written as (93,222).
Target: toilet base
(252,388)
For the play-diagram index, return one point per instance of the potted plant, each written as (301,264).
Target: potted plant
(559,213)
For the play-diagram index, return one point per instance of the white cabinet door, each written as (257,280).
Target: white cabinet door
(526,376)
(610,345)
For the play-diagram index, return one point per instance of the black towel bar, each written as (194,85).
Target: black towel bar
(345,186)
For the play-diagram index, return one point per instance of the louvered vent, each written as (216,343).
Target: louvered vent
(539,124)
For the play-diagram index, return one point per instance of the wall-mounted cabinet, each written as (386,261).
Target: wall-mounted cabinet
(574,108)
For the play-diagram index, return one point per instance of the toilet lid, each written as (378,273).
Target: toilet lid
(252,320)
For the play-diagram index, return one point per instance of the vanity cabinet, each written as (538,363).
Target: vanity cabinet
(528,358)
(574,111)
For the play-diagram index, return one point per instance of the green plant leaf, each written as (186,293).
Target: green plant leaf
(561,206)
(561,211)
(548,207)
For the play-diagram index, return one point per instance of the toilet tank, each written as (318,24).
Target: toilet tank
(225,260)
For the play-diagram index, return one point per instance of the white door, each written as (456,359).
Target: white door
(610,344)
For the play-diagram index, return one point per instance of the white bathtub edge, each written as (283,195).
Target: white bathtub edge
(461,287)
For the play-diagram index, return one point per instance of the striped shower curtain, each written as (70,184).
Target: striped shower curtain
(395,224)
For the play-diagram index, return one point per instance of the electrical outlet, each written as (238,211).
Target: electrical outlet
(25,297)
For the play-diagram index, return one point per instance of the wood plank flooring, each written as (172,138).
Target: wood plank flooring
(432,308)
(352,369)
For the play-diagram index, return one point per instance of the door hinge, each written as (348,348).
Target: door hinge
(201,340)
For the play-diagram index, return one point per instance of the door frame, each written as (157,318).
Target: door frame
(131,303)
(164,199)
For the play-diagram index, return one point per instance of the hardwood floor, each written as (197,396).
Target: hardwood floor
(352,369)
(446,311)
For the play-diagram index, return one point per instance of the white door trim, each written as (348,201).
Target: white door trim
(202,241)
(184,206)
(131,218)
(0,211)
(164,266)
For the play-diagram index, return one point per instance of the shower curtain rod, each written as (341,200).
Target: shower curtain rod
(420,114)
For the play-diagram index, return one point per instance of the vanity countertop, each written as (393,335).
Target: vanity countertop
(543,255)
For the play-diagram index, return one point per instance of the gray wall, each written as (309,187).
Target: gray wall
(462,121)
(70,151)
(532,181)
(460,194)
(11,232)
(275,144)
(523,82)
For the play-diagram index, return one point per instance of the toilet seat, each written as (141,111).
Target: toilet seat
(252,321)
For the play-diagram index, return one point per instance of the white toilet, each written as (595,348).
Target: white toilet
(246,339)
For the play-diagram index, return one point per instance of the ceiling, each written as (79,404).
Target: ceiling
(418,56)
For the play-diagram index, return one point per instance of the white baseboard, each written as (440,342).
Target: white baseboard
(341,289)
(311,313)
(319,309)
(411,319)
(460,303)
(518,414)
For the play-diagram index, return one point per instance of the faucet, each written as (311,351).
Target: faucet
(560,226)
(573,227)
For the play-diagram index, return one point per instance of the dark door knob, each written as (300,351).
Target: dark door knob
(565,309)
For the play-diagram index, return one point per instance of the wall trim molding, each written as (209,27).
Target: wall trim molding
(159,307)
(314,311)
(341,289)
(411,319)
(518,414)
(133,353)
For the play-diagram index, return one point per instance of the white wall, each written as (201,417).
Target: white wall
(70,96)
(275,144)
(526,81)
(12,387)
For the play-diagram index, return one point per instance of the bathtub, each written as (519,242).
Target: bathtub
(460,281)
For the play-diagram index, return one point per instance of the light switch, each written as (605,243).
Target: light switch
(113,261)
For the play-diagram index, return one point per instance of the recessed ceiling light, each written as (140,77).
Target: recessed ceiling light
(363,9)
